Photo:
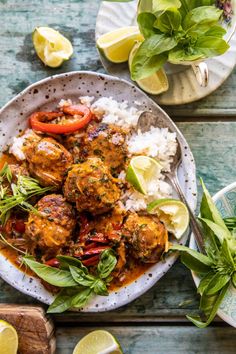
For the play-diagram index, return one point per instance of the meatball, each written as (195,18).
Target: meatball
(108,142)
(53,226)
(48,161)
(147,237)
(91,186)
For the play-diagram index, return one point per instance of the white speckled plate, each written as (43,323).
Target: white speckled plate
(225,201)
(182,82)
(45,95)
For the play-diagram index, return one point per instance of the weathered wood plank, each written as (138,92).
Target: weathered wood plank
(158,339)
(20,67)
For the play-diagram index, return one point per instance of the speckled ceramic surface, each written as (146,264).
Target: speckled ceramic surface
(225,201)
(44,95)
(184,87)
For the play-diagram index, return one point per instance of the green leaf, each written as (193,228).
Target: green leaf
(201,324)
(204,282)
(163,5)
(178,54)
(201,15)
(218,230)
(100,288)
(146,21)
(233,279)
(63,300)
(106,264)
(169,21)
(194,260)
(53,276)
(81,298)
(144,6)
(150,56)
(227,257)
(211,46)
(208,209)
(217,282)
(215,31)
(67,261)
(81,277)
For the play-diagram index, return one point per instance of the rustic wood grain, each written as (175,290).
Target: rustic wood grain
(158,339)
(35,330)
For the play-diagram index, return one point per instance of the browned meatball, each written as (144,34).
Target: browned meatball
(54,225)
(48,161)
(91,186)
(147,236)
(108,142)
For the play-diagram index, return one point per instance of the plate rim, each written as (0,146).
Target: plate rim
(171,258)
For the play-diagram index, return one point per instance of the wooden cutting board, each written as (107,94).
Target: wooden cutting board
(35,330)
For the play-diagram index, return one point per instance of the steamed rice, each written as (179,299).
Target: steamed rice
(158,143)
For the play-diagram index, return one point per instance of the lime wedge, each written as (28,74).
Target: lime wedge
(8,338)
(116,45)
(156,83)
(173,213)
(141,171)
(98,342)
(51,46)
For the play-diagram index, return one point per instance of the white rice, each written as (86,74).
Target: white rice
(17,146)
(158,143)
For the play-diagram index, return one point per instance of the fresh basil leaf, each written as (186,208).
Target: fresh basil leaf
(201,15)
(211,46)
(178,54)
(100,288)
(226,257)
(197,257)
(67,261)
(197,321)
(146,21)
(217,283)
(53,276)
(169,21)
(81,298)
(106,264)
(233,279)
(81,277)
(143,66)
(218,230)
(208,209)
(207,303)
(63,300)
(215,31)
(156,44)
(204,282)
(144,6)
(194,263)
(163,5)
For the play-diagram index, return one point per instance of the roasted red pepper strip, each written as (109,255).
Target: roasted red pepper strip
(99,237)
(91,261)
(38,120)
(91,245)
(53,262)
(96,250)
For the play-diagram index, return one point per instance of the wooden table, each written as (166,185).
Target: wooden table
(154,323)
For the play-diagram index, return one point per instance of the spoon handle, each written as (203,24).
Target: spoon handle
(193,222)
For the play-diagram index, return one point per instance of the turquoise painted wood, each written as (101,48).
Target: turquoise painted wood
(154,323)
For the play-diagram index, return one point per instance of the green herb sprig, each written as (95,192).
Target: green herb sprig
(17,194)
(77,284)
(176,31)
(217,268)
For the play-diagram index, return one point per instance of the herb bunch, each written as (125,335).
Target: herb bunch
(17,194)
(216,268)
(76,283)
(176,31)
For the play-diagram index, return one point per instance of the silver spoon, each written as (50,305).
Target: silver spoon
(145,122)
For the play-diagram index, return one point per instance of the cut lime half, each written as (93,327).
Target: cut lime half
(116,45)
(98,342)
(8,338)
(173,213)
(51,46)
(155,84)
(141,171)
